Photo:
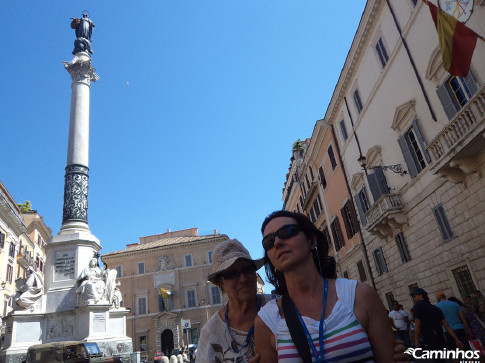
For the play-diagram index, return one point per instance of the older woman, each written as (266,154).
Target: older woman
(320,318)
(228,335)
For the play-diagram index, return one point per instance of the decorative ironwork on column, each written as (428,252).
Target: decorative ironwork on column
(75,194)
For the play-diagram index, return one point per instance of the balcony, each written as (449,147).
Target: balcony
(456,151)
(386,216)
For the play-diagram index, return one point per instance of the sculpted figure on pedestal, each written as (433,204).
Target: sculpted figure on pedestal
(31,291)
(83,28)
(92,286)
(96,285)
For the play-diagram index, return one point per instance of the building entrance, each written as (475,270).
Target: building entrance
(167,341)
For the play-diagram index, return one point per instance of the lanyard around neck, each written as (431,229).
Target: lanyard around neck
(321,331)
(250,332)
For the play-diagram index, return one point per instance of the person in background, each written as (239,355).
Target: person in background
(429,320)
(477,329)
(456,320)
(480,301)
(400,322)
(341,319)
(228,335)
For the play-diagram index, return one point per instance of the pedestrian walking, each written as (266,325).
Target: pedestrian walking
(456,320)
(400,322)
(429,322)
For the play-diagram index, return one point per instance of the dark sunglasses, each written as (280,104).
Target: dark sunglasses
(284,232)
(233,274)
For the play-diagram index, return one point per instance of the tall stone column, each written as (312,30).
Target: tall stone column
(75,209)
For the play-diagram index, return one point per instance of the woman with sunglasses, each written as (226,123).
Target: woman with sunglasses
(320,318)
(228,336)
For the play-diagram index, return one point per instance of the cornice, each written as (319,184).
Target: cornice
(124,253)
(354,56)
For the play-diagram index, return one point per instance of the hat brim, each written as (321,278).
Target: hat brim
(212,277)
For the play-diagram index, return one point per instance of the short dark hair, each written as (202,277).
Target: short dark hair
(308,228)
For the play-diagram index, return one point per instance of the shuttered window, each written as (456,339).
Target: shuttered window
(414,150)
(362,274)
(443,224)
(350,219)
(402,247)
(322,177)
(362,203)
(357,101)
(377,183)
(380,261)
(343,130)
(2,239)
(338,237)
(381,51)
(456,92)
(331,155)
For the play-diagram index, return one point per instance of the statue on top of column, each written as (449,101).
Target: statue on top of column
(84,29)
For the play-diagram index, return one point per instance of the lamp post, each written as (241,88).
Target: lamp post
(396,168)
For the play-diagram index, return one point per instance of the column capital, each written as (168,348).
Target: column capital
(81,70)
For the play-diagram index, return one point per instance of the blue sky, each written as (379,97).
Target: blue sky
(194,115)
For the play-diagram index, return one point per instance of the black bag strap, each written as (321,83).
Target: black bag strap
(296,330)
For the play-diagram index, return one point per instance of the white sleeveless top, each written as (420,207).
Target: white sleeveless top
(345,340)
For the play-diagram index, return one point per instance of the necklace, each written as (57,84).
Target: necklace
(321,330)
(235,344)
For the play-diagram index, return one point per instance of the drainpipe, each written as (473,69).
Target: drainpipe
(364,247)
(411,60)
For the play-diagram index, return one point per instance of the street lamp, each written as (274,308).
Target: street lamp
(396,168)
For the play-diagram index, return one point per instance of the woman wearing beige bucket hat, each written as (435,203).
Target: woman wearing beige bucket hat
(228,335)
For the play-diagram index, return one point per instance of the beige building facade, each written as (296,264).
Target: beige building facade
(23,236)
(395,110)
(164,284)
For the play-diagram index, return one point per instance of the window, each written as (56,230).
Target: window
(298,208)
(119,271)
(377,183)
(307,182)
(141,268)
(338,238)
(191,299)
(412,287)
(311,172)
(343,130)
(301,201)
(346,274)
(9,273)
(215,295)
(350,219)
(322,177)
(362,202)
(11,251)
(380,261)
(357,101)
(381,52)
(464,281)
(188,260)
(443,224)
(143,343)
(142,305)
(2,239)
(390,300)
(209,256)
(455,93)
(332,157)
(403,249)
(414,150)
(161,303)
(326,235)
(362,274)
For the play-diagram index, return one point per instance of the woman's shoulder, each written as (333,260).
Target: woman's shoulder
(213,323)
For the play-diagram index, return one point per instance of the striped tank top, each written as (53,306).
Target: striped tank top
(345,339)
